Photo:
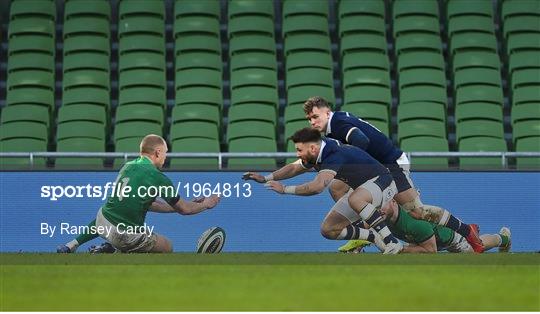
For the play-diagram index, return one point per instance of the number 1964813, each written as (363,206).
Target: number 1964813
(222,189)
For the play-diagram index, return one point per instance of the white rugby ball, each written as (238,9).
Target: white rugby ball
(211,241)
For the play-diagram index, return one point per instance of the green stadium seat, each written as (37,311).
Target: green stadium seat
(415,7)
(251,25)
(481,144)
(422,76)
(196,24)
(26,112)
(300,7)
(525,95)
(526,77)
(199,95)
(306,42)
(361,24)
(528,144)
(262,60)
(473,41)
(421,127)
(141,7)
(197,42)
(365,60)
(126,145)
(149,95)
(474,8)
(142,77)
(521,24)
(362,77)
(519,8)
(87,43)
(86,95)
(196,112)
(368,111)
(141,25)
(372,94)
(524,112)
(426,144)
(196,7)
(31,26)
(479,93)
(476,59)
(362,43)
(87,25)
(416,24)
(255,94)
(80,128)
(194,129)
(473,111)
(525,129)
(22,145)
(140,112)
(420,59)
(309,76)
(298,24)
(98,8)
(30,79)
(252,144)
(32,8)
(477,76)
(382,126)
(86,78)
(80,144)
(254,77)
(421,110)
(24,129)
(251,7)
(418,42)
(86,60)
(197,77)
(468,23)
(140,43)
(141,60)
(523,60)
(138,129)
(523,42)
(353,7)
(293,126)
(37,96)
(478,127)
(253,112)
(30,61)
(83,112)
(251,43)
(299,95)
(261,129)
(194,145)
(31,44)
(294,113)
(423,93)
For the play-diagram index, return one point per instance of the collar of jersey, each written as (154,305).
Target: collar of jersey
(329,124)
(323,144)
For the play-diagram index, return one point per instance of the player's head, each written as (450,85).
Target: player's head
(154,147)
(317,112)
(307,142)
(389,208)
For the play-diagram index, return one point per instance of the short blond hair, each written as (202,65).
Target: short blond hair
(150,142)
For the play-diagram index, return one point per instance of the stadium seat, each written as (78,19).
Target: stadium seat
(30,79)
(363,77)
(87,25)
(300,7)
(299,94)
(365,60)
(32,8)
(472,111)
(83,112)
(261,129)
(468,23)
(86,78)
(473,41)
(353,7)
(141,60)
(31,26)
(415,7)
(420,59)
(32,95)
(86,60)
(306,42)
(421,76)
(196,7)
(251,25)
(426,144)
(478,127)
(79,144)
(30,61)
(196,112)
(142,95)
(418,42)
(526,111)
(22,144)
(142,78)
(309,76)
(526,77)
(197,42)
(140,112)
(521,24)
(137,129)
(252,144)
(141,42)
(129,8)
(421,127)
(252,112)
(80,128)
(479,93)
(196,24)
(416,24)
(251,8)
(361,24)
(372,94)
(199,95)
(262,60)
(476,59)
(194,145)
(253,77)
(527,144)
(523,60)
(251,43)
(456,8)
(194,129)
(477,76)
(423,93)
(309,59)
(26,112)
(519,8)
(98,8)
(88,43)
(293,126)
(423,110)
(525,95)
(523,42)
(362,43)
(31,43)
(197,77)
(525,129)
(298,24)
(294,113)
(481,144)
(24,129)
(369,111)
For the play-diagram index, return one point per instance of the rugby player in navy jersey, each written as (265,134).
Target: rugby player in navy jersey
(349,129)
(371,183)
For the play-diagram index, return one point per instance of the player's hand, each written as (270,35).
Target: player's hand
(211,201)
(254,176)
(275,186)
(199,199)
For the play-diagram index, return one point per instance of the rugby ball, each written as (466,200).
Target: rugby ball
(211,241)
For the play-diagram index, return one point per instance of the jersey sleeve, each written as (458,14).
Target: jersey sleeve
(167,189)
(332,163)
(341,129)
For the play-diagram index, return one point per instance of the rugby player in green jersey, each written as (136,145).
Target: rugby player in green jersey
(426,237)
(121,220)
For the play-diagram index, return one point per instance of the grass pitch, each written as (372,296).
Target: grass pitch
(269,282)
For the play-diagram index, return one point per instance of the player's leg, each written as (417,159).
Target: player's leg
(82,238)
(162,245)
(338,189)
(502,240)
(365,200)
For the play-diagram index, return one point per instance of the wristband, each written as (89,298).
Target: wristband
(269,177)
(290,189)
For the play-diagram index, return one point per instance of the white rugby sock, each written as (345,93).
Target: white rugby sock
(73,245)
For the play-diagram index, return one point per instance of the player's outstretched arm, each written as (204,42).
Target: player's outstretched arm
(285,172)
(321,181)
(428,246)
(160,206)
(195,207)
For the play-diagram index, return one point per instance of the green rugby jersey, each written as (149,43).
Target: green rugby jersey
(411,230)
(139,174)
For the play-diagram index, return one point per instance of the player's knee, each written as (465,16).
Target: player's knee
(337,190)
(415,208)
(432,213)
(357,202)
(329,232)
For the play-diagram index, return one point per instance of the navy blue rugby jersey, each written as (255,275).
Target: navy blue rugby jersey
(380,146)
(351,164)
